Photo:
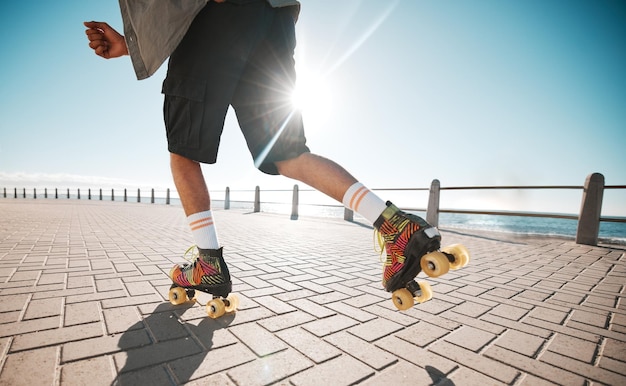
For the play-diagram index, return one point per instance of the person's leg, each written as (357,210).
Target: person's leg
(318,172)
(203,73)
(211,273)
(275,136)
(194,197)
(190,184)
(403,235)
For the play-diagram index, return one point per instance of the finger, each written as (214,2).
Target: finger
(94,34)
(96,24)
(97,43)
(102,51)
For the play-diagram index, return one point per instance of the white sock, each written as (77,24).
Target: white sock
(361,200)
(203,230)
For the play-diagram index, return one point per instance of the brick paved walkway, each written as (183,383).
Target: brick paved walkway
(83,291)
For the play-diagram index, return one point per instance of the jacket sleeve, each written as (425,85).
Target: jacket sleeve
(154,28)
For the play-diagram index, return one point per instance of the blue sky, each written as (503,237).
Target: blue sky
(471,93)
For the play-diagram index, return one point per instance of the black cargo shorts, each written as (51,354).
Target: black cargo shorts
(239,55)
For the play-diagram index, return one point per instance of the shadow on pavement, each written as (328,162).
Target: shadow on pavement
(163,337)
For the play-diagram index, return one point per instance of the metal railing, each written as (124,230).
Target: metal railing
(66,193)
(589,217)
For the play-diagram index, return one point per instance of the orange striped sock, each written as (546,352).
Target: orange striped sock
(203,230)
(364,202)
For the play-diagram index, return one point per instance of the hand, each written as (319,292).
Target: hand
(105,41)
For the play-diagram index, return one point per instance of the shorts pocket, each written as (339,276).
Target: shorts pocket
(183,111)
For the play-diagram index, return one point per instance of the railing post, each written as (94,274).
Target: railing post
(227,199)
(432,212)
(590,210)
(138,195)
(152,196)
(167,197)
(257,199)
(294,203)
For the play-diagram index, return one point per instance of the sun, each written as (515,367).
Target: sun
(312,95)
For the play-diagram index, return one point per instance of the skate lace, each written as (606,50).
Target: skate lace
(193,251)
(379,246)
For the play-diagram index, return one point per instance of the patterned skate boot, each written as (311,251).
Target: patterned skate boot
(206,272)
(406,239)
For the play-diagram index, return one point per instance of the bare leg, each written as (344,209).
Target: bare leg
(318,172)
(190,184)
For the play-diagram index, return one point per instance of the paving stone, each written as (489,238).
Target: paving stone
(312,308)
(103,285)
(540,369)
(165,326)
(375,329)
(284,321)
(19,367)
(585,370)
(402,373)
(615,349)
(351,312)
(81,313)
(43,308)
(157,375)
(343,370)
(122,319)
(549,315)
(57,336)
(94,371)
(362,350)
(329,325)
(155,354)
(470,338)
(270,369)
(576,348)
(523,343)
(308,344)
(417,355)
(107,344)
(509,312)
(258,339)
(422,333)
(483,364)
(274,305)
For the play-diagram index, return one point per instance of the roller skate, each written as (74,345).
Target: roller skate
(412,245)
(206,272)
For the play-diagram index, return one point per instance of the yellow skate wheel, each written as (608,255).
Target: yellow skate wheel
(402,299)
(215,308)
(426,292)
(177,295)
(460,253)
(435,264)
(233,303)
